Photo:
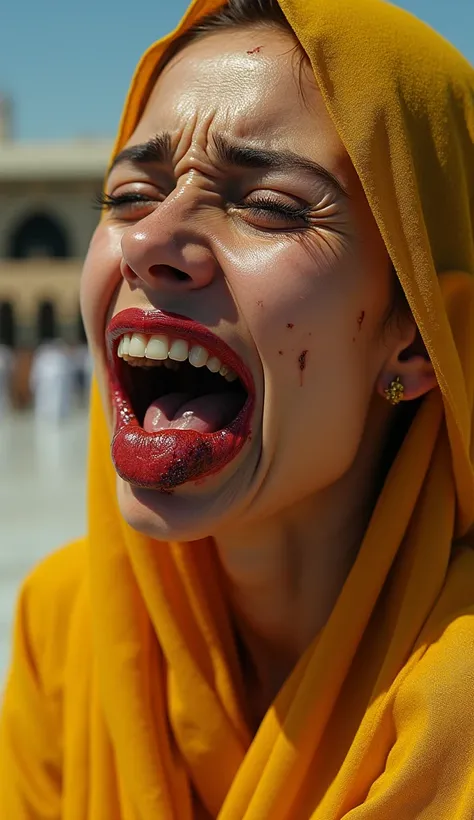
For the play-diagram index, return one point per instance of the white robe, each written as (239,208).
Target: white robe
(51,382)
(6,372)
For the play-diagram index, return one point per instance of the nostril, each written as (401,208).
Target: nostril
(166,272)
(181,275)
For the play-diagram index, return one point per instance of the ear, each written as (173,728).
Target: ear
(409,360)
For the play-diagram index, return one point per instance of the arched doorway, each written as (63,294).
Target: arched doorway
(7,324)
(46,322)
(37,236)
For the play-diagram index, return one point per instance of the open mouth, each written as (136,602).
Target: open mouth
(183,399)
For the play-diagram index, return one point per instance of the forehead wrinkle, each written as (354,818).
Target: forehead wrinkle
(167,149)
(228,134)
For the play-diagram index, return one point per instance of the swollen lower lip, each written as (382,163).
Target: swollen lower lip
(169,457)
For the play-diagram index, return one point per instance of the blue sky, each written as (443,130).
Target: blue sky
(67,64)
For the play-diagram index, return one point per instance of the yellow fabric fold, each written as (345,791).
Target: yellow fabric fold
(135,701)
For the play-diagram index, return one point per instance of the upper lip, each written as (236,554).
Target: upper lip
(152,322)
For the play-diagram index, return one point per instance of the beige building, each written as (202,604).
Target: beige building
(47,217)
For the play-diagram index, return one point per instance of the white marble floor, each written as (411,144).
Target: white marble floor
(42,501)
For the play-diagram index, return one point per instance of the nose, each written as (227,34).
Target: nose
(168,250)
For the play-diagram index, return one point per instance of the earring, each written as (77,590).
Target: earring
(394,392)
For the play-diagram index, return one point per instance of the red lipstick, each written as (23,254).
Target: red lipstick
(165,459)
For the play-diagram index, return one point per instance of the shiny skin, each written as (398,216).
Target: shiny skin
(270,286)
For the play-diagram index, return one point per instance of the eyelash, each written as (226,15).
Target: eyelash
(267,206)
(262,205)
(110,201)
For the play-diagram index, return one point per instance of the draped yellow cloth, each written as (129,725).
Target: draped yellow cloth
(124,698)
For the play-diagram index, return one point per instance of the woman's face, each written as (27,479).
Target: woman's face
(240,210)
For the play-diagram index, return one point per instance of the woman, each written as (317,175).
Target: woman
(272,613)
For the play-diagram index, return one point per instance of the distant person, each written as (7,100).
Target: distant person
(271,615)
(51,382)
(83,366)
(6,375)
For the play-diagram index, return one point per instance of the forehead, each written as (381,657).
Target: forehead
(249,83)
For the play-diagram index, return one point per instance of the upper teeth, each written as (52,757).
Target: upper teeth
(160,348)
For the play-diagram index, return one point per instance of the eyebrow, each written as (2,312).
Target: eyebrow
(158,149)
(248,156)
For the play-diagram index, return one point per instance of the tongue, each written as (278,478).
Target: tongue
(179,411)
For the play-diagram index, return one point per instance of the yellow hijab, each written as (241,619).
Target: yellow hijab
(377,720)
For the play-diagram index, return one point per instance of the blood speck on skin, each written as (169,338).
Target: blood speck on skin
(290,325)
(302,364)
(280,352)
(361,319)
(256,50)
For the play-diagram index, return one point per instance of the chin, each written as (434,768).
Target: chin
(191,511)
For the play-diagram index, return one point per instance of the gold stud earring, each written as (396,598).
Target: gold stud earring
(395,390)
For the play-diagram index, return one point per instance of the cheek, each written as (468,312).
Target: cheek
(271,282)
(314,327)
(292,304)
(99,280)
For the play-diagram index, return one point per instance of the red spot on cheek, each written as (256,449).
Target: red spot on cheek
(280,352)
(302,364)
(360,319)
(256,50)
(290,325)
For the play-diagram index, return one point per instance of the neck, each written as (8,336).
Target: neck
(283,581)
(285,573)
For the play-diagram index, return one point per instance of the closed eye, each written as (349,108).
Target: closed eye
(113,201)
(259,208)
(269,207)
